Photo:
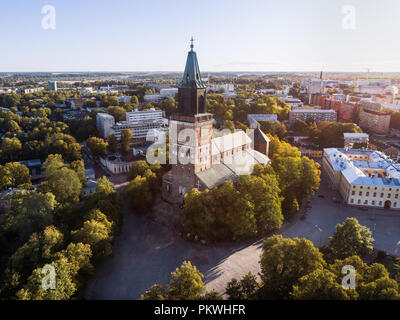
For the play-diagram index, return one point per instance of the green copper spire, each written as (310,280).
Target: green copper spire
(191,76)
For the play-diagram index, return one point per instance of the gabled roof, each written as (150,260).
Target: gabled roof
(191,76)
(242,163)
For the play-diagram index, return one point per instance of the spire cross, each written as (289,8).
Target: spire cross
(191,45)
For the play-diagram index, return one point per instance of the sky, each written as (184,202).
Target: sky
(230,35)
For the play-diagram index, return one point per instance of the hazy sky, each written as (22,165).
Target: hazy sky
(230,35)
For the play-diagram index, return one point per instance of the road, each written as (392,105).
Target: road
(145,252)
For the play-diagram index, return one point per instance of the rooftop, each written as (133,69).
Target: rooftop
(355,135)
(352,170)
(313,110)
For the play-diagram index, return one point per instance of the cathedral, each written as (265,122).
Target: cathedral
(198,159)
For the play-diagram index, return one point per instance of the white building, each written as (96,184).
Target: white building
(374,82)
(363,177)
(116,164)
(312,114)
(124,99)
(154,97)
(339,97)
(169,92)
(294,103)
(253,119)
(104,124)
(315,86)
(86,90)
(140,116)
(141,123)
(227,87)
(370,89)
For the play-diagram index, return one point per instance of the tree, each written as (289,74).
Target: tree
(112,143)
(155,292)
(60,180)
(234,290)
(274,128)
(139,194)
(320,284)
(228,124)
(138,169)
(285,261)
(211,295)
(79,167)
(186,283)
(290,206)
(219,214)
(31,212)
(119,113)
(97,146)
(126,136)
(79,254)
(11,148)
(350,238)
(135,101)
(249,285)
(65,283)
(372,281)
(14,174)
(97,232)
(105,187)
(300,128)
(41,247)
(263,192)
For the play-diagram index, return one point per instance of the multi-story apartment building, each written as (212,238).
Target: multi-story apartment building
(363,177)
(144,116)
(294,103)
(140,130)
(52,86)
(377,122)
(104,124)
(312,114)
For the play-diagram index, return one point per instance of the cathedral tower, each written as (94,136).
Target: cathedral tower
(190,133)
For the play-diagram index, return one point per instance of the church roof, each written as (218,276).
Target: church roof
(191,76)
(231,167)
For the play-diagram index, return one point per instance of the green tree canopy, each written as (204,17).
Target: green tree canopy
(285,261)
(350,238)
(186,284)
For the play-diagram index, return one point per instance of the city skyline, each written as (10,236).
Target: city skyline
(237,36)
